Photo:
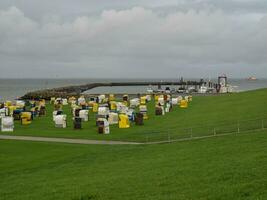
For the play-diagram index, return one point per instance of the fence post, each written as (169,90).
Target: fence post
(191,132)
(214,131)
(169,137)
(262,124)
(147,139)
(238,127)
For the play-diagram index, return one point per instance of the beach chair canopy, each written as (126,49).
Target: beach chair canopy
(7,124)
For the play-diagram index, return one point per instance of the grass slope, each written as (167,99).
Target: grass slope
(224,168)
(210,111)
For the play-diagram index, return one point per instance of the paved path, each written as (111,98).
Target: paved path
(103,142)
(64,140)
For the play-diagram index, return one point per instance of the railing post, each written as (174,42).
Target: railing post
(169,137)
(214,131)
(238,127)
(191,132)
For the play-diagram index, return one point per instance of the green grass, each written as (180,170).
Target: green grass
(203,115)
(223,168)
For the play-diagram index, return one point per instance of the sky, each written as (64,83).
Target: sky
(133,39)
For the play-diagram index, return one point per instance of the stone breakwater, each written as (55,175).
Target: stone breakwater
(77,90)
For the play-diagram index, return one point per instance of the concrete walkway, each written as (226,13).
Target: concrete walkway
(105,142)
(64,140)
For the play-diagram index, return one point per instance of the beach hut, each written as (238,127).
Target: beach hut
(8,103)
(161,101)
(125,97)
(11,110)
(134,103)
(81,100)
(174,101)
(54,115)
(77,123)
(103,111)
(143,100)
(130,114)
(103,126)
(124,121)
(41,110)
(101,98)
(113,105)
(113,118)
(183,104)
(26,118)
(52,100)
(190,98)
(61,121)
(168,107)
(121,108)
(158,110)
(57,112)
(95,107)
(84,115)
(7,124)
(139,119)
(180,98)
(72,100)
(58,101)
(41,102)
(64,102)
(111,97)
(143,110)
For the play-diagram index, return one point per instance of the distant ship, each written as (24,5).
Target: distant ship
(252,78)
(149,90)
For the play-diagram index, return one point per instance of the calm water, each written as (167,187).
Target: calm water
(13,88)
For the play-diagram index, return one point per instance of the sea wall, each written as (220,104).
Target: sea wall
(76,90)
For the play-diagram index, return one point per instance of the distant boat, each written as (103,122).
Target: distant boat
(252,78)
(203,89)
(149,90)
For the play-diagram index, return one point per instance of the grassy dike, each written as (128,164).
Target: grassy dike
(224,168)
(222,112)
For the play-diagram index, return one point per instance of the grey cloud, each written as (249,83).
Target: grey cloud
(135,42)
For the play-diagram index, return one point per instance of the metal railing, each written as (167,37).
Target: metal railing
(197,132)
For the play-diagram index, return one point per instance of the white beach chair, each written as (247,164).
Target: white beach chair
(61,121)
(103,111)
(174,101)
(64,102)
(84,115)
(106,125)
(113,118)
(7,124)
(134,102)
(161,101)
(81,101)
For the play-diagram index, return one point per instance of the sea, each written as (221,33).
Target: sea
(11,89)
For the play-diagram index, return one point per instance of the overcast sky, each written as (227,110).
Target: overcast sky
(133,39)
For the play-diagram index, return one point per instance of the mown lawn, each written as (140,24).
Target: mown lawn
(223,168)
(223,112)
